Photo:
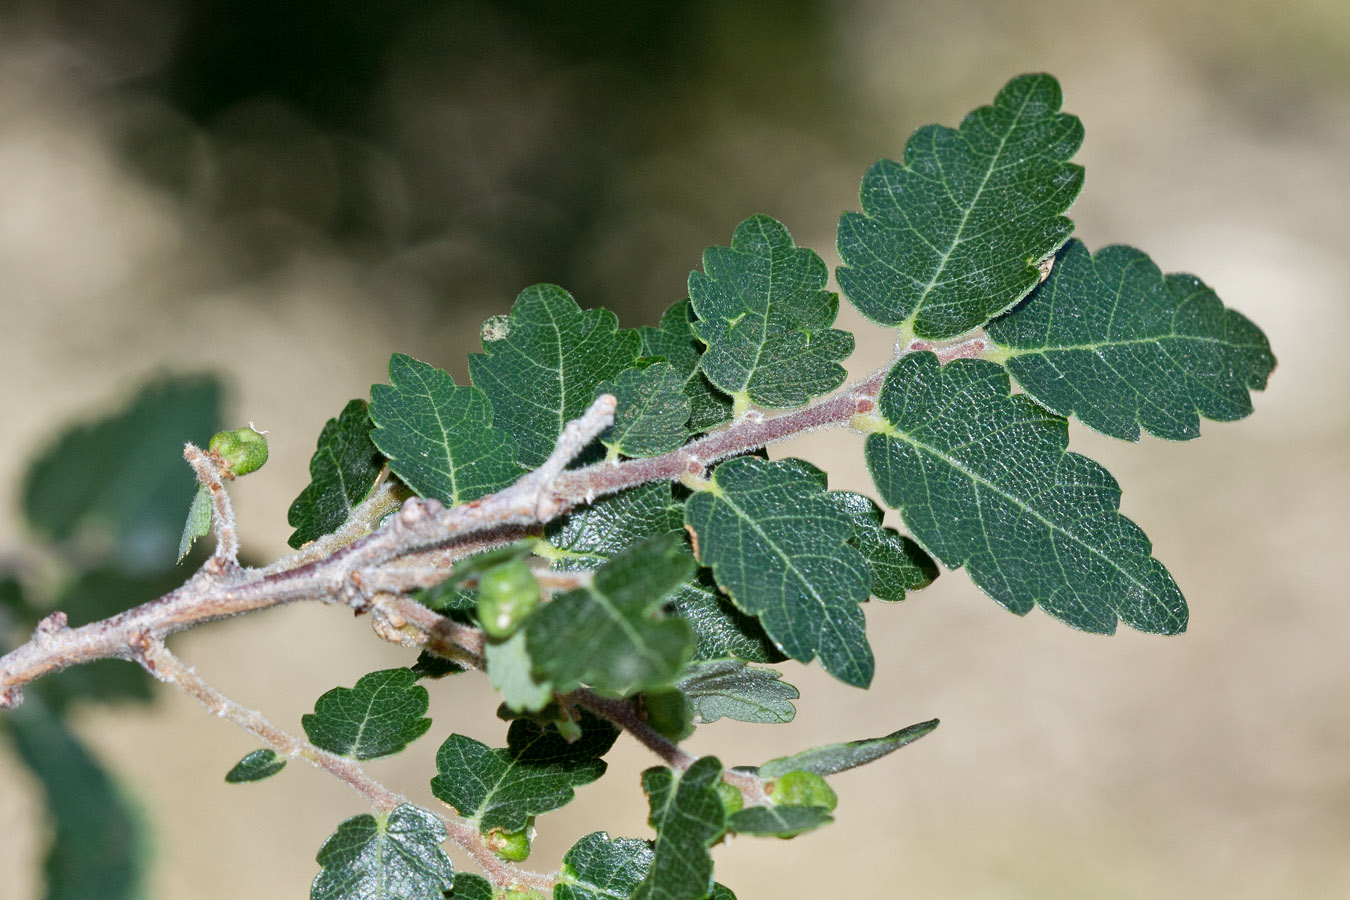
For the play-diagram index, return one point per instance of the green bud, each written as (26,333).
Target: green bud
(506,595)
(243,450)
(521,895)
(801,789)
(668,712)
(731,798)
(512,846)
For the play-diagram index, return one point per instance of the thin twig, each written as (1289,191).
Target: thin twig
(210,474)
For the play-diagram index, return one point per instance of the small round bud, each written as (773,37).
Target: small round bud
(512,846)
(242,450)
(506,595)
(731,798)
(668,712)
(801,789)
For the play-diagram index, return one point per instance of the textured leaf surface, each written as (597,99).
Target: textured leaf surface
(198,522)
(952,236)
(720,628)
(342,471)
(393,858)
(675,340)
(509,665)
(599,867)
(778,546)
(895,563)
(381,715)
(439,436)
(535,773)
(1108,338)
(688,817)
(612,634)
(833,758)
(765,315)
(984,480)
(541,365)
(716,688)
(778,821)
(471,887)
(256,766)
(652,411)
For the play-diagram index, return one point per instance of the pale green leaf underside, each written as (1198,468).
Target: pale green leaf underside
(380,716)
(778,821)
(342,471)
(716,688)
(652,411)
(675,341)
(688,817)
(256,766)
(952,236)
(198,522)
(984,480)
(1111,340)
(398,858)
(765,315)
(832,758)
(509,665)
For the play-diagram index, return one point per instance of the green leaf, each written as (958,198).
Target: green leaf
(439,436)
(612,634)
(509,665)
(471,887)
(765,315)
(651,414)
(984,480)
(1108,338)
(433,666)
(394,857)
(834,758)
(778,546)
(953,235)
(896,563)
(198,522)
(720,629)
(342,471)
(676,342)
(541,365)
(778,821)
(378,717)
(599,867)
(688,817)
(534,774)
(256,766)
(728,687)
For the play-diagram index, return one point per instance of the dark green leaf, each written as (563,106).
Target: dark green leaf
(398,857)
(198,522)
(721,892)
(765,315)
(834,758)
(342,471)
(541,365)
(688,817)
(439,436)
(952,236)
(534,774)
(471,887)
(509,665)
(778,546)
(256,766)
(720,629)
(1108,338)
(432,665)
(896,563)
(778,821)
(728,687)
(984,480)
(599,867)
(651,414)
(676,342)
(380,716)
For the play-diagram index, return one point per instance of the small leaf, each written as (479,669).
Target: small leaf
(652,411)
(952,236)
(198,522)
(599,867)
(509,665)
(675,341)
(380,716)
(439,436)
(1108,338)
(984,480)
(398,857)
(778,821)
(765,315)
(834,758)
(342,471)
(688,817)
(896,563)
(256,766)
(535,773)
(728,687)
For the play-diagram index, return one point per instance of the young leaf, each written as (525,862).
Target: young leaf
(256,766)
(984,480)
(834,758)
(534,774)
(651,414)
(688,817)
(599,867)
(611,634)
(778,821)
(508,664)
(1108,338)
(779,547)
(198,522)
(765,315)
(393,857)
(895,562)
(675,340)
(380,716)
(728,687)
(541,365)
(953,235)
(342,471)
(439,436)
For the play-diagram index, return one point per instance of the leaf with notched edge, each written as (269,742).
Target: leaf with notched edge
(342,471)
(393,857)
(380,716)
(728,687)
(675,340)
(688,817)
(651,414)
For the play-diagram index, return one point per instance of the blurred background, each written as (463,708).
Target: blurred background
(282,194)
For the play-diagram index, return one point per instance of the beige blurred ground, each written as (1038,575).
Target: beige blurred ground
(1213,765)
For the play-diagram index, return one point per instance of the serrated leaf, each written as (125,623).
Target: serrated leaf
(508,664)
(342,471)
(674,339)
(895,563)
(380,716)
(832,758)
(778,546)
(778,821)
(652,411)
(471,887)
(688,817)
(198,522)
(716,688)
(765,315)
(984,480)
(599,867)
(439,436)
(612,634)
(1108,338)
(541,365)
(394,857)
(952,236)
(256,766)
(535,773)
